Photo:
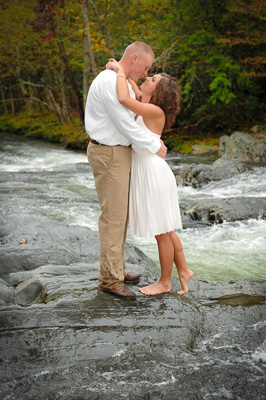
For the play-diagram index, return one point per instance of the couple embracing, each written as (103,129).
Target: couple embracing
(132,179)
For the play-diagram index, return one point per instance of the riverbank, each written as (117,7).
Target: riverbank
(73,135)
(46,127)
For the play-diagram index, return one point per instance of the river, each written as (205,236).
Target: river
(45,180)
(88,345)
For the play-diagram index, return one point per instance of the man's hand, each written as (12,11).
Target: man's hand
(162,150)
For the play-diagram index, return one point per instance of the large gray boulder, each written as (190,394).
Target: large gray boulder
(28,243)
(229,209)
(198,175)
(50,283)
(243,147)
(236,153)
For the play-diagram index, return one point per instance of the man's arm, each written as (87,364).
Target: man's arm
(123,120)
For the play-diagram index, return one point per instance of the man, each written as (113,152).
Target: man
(112,128)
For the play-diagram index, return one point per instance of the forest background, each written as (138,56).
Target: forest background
(51,50)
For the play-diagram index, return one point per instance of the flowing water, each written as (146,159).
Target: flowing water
(45,180)
(168,347)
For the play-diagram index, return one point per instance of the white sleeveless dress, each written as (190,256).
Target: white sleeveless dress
(153,199)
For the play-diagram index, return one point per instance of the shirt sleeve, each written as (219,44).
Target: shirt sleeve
(124,121)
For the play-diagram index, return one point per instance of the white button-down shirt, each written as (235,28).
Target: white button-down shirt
(110,123)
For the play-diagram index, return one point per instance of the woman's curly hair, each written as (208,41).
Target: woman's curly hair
(167,95)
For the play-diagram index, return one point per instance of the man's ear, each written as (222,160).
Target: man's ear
(134,58)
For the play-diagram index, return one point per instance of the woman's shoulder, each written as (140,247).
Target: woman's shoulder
(149,125)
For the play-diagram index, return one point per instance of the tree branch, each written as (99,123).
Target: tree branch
(169,49)
(32,84)
(41,101)
(199,122)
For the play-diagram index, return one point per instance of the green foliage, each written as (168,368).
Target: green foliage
(215,48)
(220,86)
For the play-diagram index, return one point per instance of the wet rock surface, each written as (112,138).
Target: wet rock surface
(27,243)
(237,153)
(229,209)
(201,174)
(61,338)
(243,147)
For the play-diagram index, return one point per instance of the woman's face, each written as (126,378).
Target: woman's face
(150,84)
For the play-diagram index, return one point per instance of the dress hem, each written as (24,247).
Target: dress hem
(155,234)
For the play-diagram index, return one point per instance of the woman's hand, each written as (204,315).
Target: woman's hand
(114,65)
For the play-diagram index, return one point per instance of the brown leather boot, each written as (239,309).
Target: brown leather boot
(131,278)
(123,292)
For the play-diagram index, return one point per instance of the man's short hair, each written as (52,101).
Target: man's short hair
(139,48)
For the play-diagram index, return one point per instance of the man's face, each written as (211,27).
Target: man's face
(140,67)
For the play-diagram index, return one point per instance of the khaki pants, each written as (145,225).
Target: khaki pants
(111,169)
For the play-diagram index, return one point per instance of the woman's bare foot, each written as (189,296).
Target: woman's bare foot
(184,279)
(157,288)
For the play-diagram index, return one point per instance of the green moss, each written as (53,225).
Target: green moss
(183,142)
(46,127)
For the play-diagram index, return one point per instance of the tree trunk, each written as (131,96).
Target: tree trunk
(103,27)
(71,79)
(3,99)
(24,91)
(38,94)
(53,104)
(13,110)
(89,59)
(64,94)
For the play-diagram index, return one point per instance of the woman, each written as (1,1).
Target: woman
(153,201)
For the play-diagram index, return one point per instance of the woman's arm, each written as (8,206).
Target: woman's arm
(144,109)
(136,90)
